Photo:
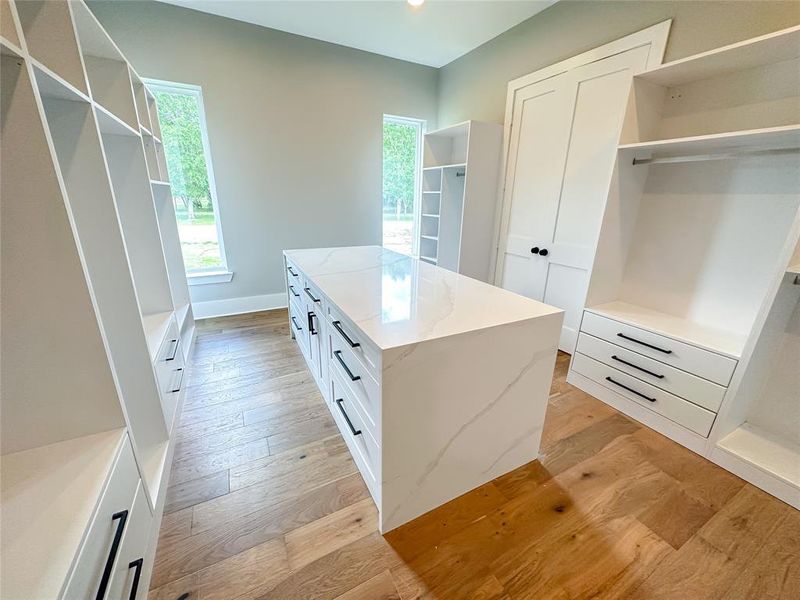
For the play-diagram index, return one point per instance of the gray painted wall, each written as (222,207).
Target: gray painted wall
(295,127)
(295,124)
(474,86)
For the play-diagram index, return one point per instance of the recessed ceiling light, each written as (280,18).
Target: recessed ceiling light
(415,2)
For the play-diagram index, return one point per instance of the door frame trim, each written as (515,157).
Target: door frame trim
(655,36)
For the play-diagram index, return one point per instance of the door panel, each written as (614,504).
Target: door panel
(565,132)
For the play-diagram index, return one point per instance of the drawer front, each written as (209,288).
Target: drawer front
(125,582)
(98,548)
(363,447)
(313,297)
(705,364)
(676,409)
(700,391)
(293,275)
(342,329)
(299,327)
(295,292)
(363,387)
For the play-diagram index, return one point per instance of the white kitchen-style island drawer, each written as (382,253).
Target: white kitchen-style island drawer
(298,321)
(695,389)
(365,390)
(295,291)
(94,566)
(363,446)
(676,409)
(341,327)
(695,360)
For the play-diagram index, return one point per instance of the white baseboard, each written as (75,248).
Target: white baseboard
(237,306)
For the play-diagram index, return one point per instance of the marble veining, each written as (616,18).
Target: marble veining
(397,300)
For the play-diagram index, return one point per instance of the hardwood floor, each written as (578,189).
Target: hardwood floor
(265,502)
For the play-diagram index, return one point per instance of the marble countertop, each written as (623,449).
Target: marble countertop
(398,300)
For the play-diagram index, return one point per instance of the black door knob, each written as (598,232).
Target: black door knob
(543,252)
(535,250)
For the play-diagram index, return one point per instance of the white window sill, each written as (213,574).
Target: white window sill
(210,277)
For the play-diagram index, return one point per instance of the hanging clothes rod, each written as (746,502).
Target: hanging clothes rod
(719,156)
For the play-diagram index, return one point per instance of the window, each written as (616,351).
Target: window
(402,155)
(185,137)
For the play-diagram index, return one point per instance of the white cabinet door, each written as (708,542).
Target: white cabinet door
(564,136)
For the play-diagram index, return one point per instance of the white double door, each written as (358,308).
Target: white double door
(564,136)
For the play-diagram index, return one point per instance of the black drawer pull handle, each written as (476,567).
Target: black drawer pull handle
(625,362)
(137,564)
(296,325)
(177,388)
(635,341)
(338,325)
(174,350)
(310,295)
(631,390)
(112,554)
(295,294)
(353,430)
(311,317)
(291,272)
(338,355)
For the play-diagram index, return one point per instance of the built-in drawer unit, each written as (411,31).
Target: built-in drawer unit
(690,387)
(125,581)
(364,388)
(349,335)
(698,361)
(676,409)
(169,366)
(95,563)
(293,275)
(351,422)
(295,291)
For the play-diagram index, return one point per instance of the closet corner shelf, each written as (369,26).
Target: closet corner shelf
(684,330)
(111,124)
(155,327)
(54,86)
(48,497)
(767,49)
(451,166)
(764,450)
(770,138)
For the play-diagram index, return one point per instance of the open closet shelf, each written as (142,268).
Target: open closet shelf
(771,48)
(764,450)
(770,138)
(180,314)
(159,183)
(110,124)
(430,237)
(430,215)
(794,269)
(48,496)
(155,327)
(723,342)
(52,85)
(428,259)
(450,166)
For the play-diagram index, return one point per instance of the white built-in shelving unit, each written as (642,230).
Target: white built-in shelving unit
(95,311)
(695,261)
(459,186)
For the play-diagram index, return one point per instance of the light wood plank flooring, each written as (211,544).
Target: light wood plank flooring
(265,502)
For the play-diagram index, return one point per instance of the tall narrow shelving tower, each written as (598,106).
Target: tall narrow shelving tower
(459,194)
(91,299)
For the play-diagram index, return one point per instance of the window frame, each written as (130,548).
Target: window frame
(220,273)
(421,127)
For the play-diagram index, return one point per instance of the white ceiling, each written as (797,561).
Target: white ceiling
(433,34)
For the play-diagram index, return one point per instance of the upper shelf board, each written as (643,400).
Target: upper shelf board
(457,130)
(453,166)
(766,49)
(770,138)
(52,86)
(110,124)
